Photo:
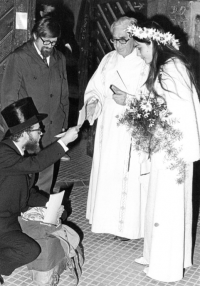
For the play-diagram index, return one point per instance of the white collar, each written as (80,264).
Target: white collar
(39,53)
(20,150)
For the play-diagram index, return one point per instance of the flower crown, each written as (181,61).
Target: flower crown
(150,33)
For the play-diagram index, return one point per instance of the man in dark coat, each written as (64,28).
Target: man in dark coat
(67,43)
(38,70)
(17,192)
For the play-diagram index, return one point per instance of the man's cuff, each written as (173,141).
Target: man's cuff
(63,145)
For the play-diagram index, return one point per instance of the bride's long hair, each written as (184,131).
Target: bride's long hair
(161,55)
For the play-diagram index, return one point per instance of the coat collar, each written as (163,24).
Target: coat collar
(11,144)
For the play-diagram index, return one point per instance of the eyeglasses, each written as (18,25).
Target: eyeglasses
(48,42)
(39,130)
(122,41)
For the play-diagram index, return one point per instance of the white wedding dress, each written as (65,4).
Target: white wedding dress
(168,219)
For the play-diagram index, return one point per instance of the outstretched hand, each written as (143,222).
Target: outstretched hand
(90,110)
(119,95)
(70,135)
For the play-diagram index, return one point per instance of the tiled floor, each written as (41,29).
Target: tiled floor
(107,262)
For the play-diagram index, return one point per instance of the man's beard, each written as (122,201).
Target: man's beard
(46,52)
(32,146)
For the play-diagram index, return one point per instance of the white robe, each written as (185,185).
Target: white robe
(116,199)
(168,220)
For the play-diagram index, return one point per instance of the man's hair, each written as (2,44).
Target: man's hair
(44,6)
(52,3)
(46,27)
(123,21)
(15,137)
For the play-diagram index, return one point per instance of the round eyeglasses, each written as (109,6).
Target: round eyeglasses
(122,41)
(48,42)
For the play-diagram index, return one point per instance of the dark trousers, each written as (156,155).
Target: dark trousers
(47,178)
(16,249)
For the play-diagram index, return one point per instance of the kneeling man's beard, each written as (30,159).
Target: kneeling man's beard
(32,148)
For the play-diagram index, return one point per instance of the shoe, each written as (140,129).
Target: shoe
(65,158)
(1,280)
(141,261)
(146,269)
(121,238)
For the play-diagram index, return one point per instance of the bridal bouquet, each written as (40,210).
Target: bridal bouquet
(148,121)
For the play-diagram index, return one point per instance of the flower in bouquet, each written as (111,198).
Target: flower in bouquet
(142,117)
(147,120)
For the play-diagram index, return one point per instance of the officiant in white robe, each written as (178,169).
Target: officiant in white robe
(117,196)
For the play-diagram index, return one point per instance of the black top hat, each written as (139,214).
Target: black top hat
(21,115)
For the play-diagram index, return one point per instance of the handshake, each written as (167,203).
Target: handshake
(70,135)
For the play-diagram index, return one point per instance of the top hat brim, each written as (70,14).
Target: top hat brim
(21,114)
(29,122)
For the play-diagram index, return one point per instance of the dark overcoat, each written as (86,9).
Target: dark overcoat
(16,192)
(27,75)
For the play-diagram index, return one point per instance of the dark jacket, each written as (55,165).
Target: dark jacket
(16,192)
(27,75)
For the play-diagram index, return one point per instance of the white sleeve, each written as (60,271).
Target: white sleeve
(182,101)
(63,145)
(95,88)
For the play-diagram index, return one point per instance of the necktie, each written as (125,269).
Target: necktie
(45,61)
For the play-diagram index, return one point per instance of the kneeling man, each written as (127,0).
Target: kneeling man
(17,169)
